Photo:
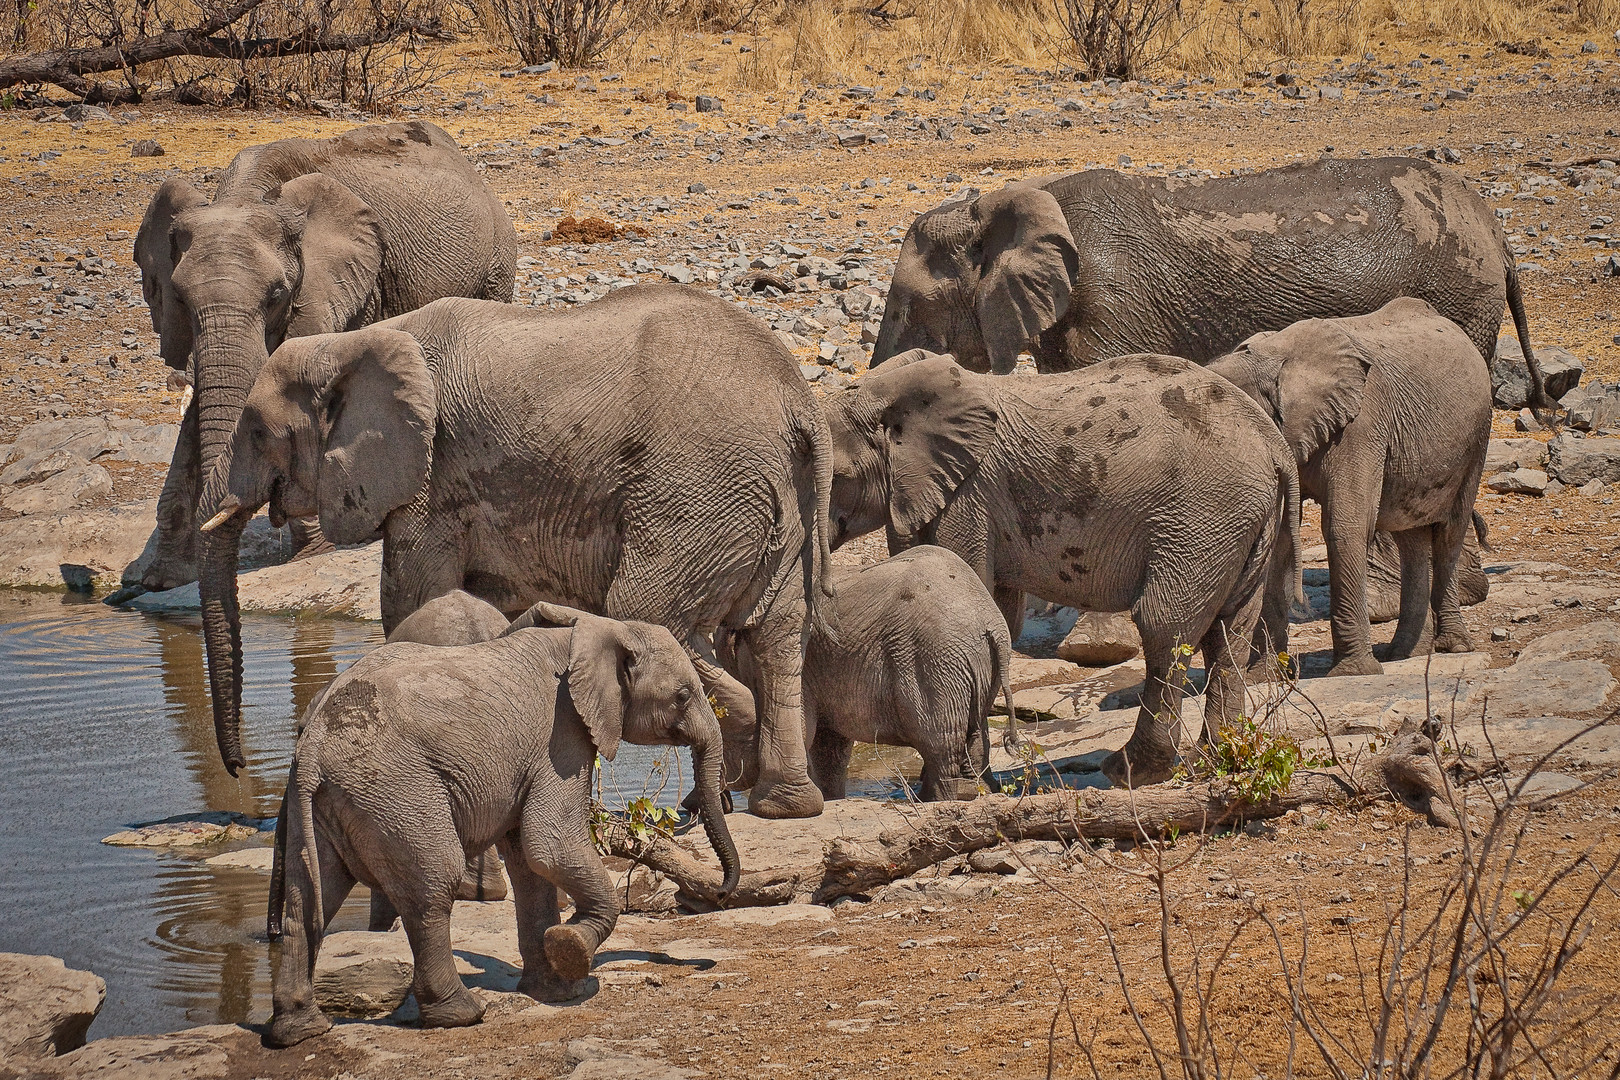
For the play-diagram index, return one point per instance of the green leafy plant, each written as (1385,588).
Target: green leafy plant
(1258,762)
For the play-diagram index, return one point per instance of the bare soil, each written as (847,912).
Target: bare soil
(944,988)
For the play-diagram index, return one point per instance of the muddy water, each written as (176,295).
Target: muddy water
(105,723)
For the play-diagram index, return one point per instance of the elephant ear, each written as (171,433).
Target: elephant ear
(1321,376)
(1029,265)
(375,399)
(155,255)
(341,248)
(939,422)
(545,615)
(601,666)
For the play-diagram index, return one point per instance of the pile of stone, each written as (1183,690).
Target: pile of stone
(51,465)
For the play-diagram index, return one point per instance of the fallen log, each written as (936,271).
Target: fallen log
(1407,771)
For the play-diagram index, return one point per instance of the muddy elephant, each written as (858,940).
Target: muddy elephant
(303,236)
(1089,265)
(419,755)
(654,455)
(918,655)
(1142,483)
(1388,415)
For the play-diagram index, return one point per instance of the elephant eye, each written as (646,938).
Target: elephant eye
(683,696)
(278,293)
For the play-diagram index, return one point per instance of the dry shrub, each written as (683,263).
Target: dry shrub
(1120,38)
(571,32)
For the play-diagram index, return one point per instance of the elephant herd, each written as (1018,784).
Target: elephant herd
(615,522)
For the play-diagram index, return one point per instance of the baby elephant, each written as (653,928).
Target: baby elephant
(919,651)
(419,756)
(1388,416)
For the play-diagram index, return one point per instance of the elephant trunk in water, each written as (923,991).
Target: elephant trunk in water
(708,752)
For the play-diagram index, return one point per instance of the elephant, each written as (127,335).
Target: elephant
(918,653)
(1141,483)
(419,755)
(1388,416)
(654,455)
(1094,264)
(303,236)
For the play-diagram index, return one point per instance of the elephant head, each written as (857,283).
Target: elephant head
(904,439)
(1310,379)
(980,279)
(228,281)
(633,681)
(339,425)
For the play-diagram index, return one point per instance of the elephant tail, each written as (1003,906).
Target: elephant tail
(1539,398)
(1001,653)
(817,550)
(1291,562)
(303,788)
(1482,532)
(278,874)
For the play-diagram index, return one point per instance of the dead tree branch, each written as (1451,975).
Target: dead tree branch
(1408,771)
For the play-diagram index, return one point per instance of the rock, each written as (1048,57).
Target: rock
(1592,406)
(1519,482)
(37,465)
(703,103)
(343,582)
(1510,377)
(1101,639)
(677,272)
(63,491)
(851,138)
(79,113)
(1505,455)
(45,1008)
(765,916)
(697,187)
(40,550)
(258,858)
(1594,640)
(1593,488)
(359,973)
(146,148)
(1012,858)
(187,830)
(1576,460)
(1027,673)
(593,1059)
(1526,421)
(92,437)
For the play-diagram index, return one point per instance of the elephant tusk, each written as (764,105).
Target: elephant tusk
(218,519)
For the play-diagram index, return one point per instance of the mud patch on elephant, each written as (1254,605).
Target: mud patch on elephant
(352,710)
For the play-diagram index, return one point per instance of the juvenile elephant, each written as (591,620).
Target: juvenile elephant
(1093,264)
(653,455)
(1388,416)
(418,756)
(1142,483)
(919,654)
(303,236)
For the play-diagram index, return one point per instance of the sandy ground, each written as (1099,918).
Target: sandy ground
(942,987)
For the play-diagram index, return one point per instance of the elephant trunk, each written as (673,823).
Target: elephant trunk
(230,351)
(707,755)
(888,337)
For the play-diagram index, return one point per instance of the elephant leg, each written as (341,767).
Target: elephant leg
(735,708)
(440,995)
(1226,651)
(1348,536)
(307,539)
(1450,632)
(1011,603)
(784,789)
(422,559)
(829,762)
(295,1015)
(557,846)
(1151,752)
(383,913)
(537,912)
(1414,545)
(482,879)
(174,562)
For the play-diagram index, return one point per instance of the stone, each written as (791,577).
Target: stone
(1505,455)
(359,973)
(851,138)
(677,272)
(188,830)
(1101,639)
(1592,406)
(696,187)
(63,491)
(1519,482)
(764,916)
(37,465)
(45,1008)
(1510,377)
(342,582)
(593,1059)
(78,114)
(1526,421)
(1576,460)
(704,103)
(258,858)
(34,550)
(1592,641)
(1593,488)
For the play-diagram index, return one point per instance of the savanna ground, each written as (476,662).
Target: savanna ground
(951,986)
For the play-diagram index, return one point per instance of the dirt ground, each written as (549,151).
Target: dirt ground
(939,988)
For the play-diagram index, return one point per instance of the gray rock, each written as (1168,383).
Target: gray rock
(1593,488)
(45,1008)
(593,1059)
(38,550)
(1592,406)
(79,113)
(1575,460)
(1510,377)
(677,273)
(1519,482)
(189,830)
(1101,639)
(706,104)
(37,465)
(147,148)
(343,582)
(363,974)
(851,138)
(63,491)
(697,187)
(1505,455)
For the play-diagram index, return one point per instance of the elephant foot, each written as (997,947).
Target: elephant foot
(785,799)
(383,916)
(1128,768)
(124,594)
(318,546)
(569,952)
(292,1028)
(460,1009)
(482,880)
(1357,665)
(550,989)
(165,574)
(1454,642)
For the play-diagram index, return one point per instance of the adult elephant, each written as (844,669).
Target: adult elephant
(303,236)
(1090,265)
(653,456)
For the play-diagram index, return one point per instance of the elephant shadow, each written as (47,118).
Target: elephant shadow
(696,963)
